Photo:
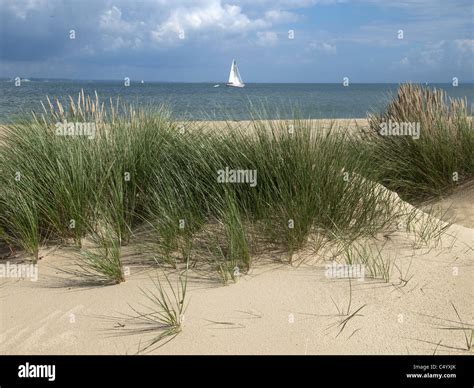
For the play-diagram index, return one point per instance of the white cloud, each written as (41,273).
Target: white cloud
(436,55)
(433,53)
(464,45)
(266,38)
(404,61)
(111,22)
(324,47)
(211,15)
(22,8)
(118,33)
(279,16)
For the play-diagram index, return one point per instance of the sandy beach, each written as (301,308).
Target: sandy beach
(274,309)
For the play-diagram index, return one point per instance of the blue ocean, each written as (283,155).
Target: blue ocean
(206,101)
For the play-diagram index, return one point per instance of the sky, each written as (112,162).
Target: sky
(272,40)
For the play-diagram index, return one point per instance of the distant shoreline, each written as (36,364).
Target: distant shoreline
(222,82)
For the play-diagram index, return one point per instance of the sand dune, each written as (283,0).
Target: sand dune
(275,309)
(459,206)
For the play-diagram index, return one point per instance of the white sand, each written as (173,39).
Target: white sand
(457,207)
(253,316)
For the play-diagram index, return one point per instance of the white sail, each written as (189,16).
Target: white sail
(232,73)
(234,77)
(238,78)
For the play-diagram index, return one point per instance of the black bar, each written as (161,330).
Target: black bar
(293,371)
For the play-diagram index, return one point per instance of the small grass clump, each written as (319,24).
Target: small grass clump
(166,310)
(377,265)
(467,330)
(102,262)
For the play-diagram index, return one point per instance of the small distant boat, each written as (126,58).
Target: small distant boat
(142,82)
(235,80)
(216,86)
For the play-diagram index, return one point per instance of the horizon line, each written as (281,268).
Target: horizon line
(223,82)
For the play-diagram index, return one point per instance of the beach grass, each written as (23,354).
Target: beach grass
(19,217)
(167,307)
(428,163)
(101,262)
(150,178)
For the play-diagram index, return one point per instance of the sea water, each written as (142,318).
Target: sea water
(203,101)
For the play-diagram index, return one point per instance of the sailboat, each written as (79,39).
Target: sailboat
(235,80)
